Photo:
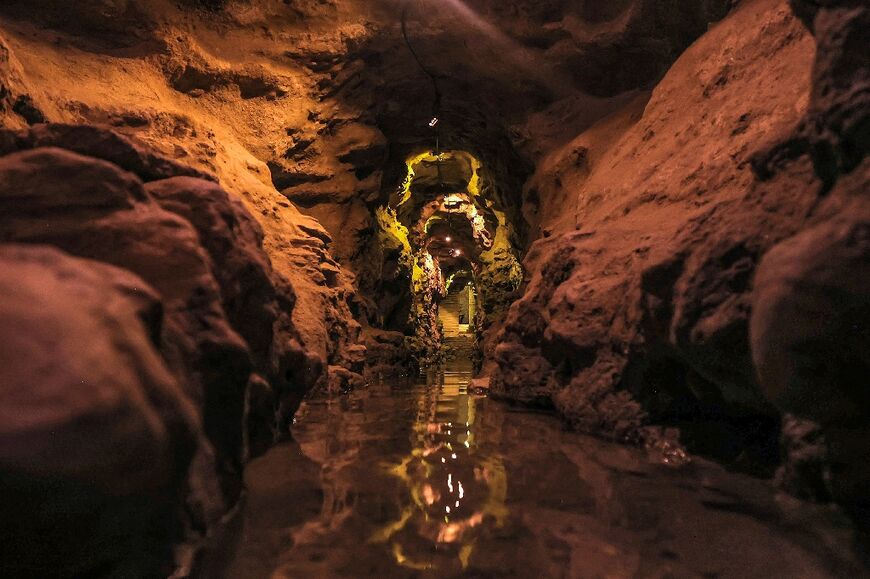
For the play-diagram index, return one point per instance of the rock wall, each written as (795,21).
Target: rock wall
(183,82)
(653,224)
(157,162)
(213,174)
(810,324)
(96,429)
(214,314)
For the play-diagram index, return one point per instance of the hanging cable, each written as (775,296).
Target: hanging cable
(436,90)
(436,102)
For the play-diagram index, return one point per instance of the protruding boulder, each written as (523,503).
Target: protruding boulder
(811,320)
(93,209)
(234,242)
(810,332)
(386,352)
(95,433)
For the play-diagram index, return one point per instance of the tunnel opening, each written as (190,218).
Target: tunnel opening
(457,310)
(457,247)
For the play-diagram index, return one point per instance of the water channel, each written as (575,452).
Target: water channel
(425,479)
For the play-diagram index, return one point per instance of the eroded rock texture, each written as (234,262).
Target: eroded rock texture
(96,430)
(811,326)
(655,220)
(321,104)
(672,175)
(218,314)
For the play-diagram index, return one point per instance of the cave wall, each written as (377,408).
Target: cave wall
(661,174)
(321,102)
(226,306)
(668,227)
(650,228)
(182,82)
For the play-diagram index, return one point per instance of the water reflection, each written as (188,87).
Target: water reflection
(406,481)
(454,486)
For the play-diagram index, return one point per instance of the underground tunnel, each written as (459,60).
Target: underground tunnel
(417,288)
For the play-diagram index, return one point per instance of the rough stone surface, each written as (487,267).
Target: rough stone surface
(386,352)
(221,318)
(792,367)
(95,429)
(234,242)
(637,300)
(323,118)
(97,142)
(93,209)
(643,177)
(811,330)
(197,117)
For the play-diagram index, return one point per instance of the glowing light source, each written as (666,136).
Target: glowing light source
(433,122)
(453,201)
(448,239)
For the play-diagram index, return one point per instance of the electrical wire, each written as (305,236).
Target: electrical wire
(436,90)
(436,103)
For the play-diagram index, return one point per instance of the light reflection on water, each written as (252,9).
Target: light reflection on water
(404,472)
(454,486)
(414,481)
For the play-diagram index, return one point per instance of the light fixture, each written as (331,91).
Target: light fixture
(458,252)
(433,122)
(448,239)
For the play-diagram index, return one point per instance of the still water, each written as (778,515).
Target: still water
(427,480)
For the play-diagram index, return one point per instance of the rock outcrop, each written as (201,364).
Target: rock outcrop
(218,315)
(221,121)
(811,332)
(653,224)
(96,430)
(638,296)
(811,306)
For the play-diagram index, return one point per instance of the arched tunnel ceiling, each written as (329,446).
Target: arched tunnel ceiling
(567,63)
(495,63)
(432,176)
(445,204)
(452,241)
